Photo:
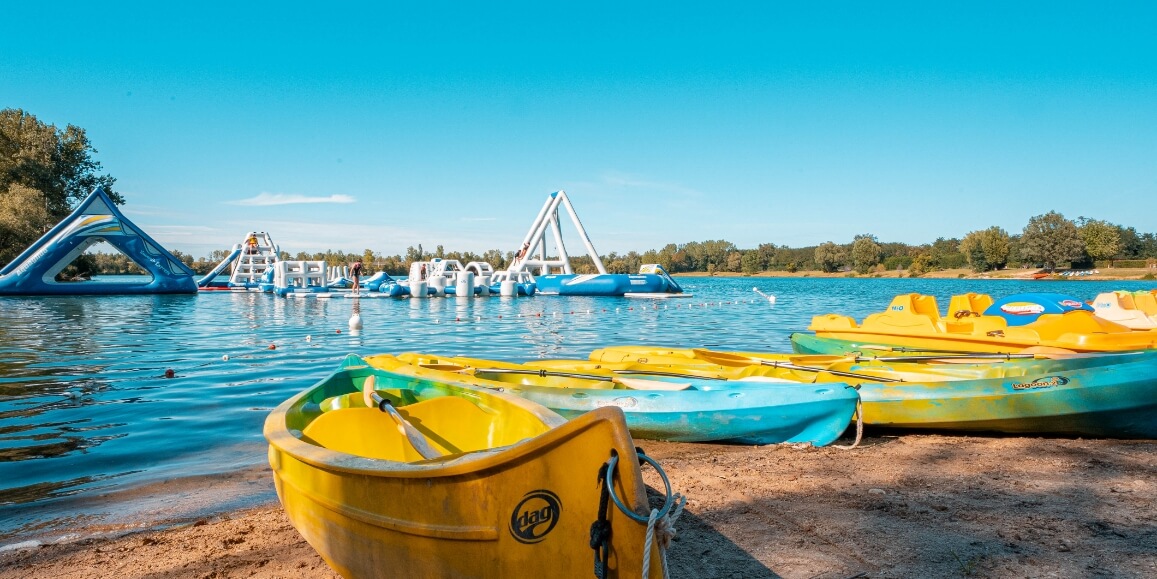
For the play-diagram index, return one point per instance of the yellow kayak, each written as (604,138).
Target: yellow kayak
(439,480)
(1100,394)
(691,405)
(976,323)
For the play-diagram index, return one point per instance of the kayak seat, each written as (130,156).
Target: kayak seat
(450,424)
(365,432)
(971,304)
(454,424)
(909,311)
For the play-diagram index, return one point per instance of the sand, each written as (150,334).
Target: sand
(900,505)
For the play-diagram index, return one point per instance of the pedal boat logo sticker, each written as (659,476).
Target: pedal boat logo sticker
(535,516)
(1046,382)
(1022,308)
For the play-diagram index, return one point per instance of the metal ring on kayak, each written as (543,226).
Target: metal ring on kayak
(670,500)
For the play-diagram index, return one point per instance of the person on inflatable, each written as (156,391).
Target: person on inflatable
(356,274)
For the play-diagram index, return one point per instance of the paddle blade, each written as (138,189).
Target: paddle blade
(643,384)
(368,391)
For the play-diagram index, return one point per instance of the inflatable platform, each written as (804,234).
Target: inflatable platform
(96,219)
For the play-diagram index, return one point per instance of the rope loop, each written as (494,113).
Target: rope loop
(668,502)
(859,427)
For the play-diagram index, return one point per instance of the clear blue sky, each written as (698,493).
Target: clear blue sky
(450,123)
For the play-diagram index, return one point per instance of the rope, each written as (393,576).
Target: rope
(665,526)
(859,427)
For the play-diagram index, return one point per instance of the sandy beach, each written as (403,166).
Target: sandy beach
(900,505)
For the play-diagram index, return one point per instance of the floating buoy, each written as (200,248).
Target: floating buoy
(356,322)
(272,346)
(309,338)
(770,299)
(169,373)
(225,358)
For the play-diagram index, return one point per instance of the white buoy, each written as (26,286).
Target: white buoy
(309,338)
(770,299)
(225,358)
(356,322)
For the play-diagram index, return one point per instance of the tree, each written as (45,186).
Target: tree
(945,254)
(53,169)
(22,212)
(987,249)
(830,257)
(57,163)
(865,253)
(1051,239)
(1102,239)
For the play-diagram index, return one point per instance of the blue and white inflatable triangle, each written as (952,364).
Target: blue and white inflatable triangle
(95,220)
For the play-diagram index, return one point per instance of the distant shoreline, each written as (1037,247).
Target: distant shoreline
(1116,274)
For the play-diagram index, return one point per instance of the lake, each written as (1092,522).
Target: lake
(93,435)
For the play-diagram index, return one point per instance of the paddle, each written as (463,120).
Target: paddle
(372,399)
(1031,353)
(722,357)
(632,383)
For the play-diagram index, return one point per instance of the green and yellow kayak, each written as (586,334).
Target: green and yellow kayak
(1106,395)
(446,480)
(690,405)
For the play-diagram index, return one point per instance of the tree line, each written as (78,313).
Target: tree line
(46,171)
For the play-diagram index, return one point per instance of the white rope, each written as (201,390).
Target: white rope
(859,427)
(666,530)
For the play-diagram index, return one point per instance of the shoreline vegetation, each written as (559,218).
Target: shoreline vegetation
(1114,274)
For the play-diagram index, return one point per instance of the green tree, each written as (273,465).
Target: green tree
(865,253)
(1051,239)
(58,163)
(987,249)
(54,170)
(1102,239)
(830,257)
(22,212)
(921,264)
(751,262)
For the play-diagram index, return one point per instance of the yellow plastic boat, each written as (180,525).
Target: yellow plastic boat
(450,481)
(914,321)
(678,406)
(1102,394)
(1136,310)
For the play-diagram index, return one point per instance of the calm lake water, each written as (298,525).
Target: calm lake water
(94,437)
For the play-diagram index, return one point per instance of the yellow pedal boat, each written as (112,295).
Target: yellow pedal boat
(1137,310)
(452,481)
(914,321)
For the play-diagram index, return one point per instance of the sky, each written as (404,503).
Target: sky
(352,126)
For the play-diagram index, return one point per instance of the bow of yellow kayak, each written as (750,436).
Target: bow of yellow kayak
(513,491)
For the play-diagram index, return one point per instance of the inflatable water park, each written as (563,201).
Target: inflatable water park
(554,276)
(37,270)
(254,265)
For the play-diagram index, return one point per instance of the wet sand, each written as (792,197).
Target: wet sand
(900,505)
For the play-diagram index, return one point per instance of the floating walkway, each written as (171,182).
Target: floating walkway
(95,220)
